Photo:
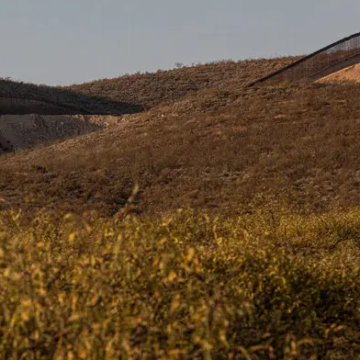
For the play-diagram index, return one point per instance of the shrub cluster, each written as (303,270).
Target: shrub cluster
(265,286)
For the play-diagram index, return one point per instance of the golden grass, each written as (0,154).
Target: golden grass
(183,286)
(151,89)
(213,150)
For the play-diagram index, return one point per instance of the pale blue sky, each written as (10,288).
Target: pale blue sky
(61,42)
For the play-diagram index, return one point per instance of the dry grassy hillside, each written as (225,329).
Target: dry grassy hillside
(213,149)
(129,94)
(152,89)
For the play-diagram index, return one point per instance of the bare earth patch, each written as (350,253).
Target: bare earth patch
(24,131)
(351,73)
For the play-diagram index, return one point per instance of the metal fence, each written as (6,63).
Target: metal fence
(311,66)
(25,105)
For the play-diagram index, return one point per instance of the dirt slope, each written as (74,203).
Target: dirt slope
(351,73)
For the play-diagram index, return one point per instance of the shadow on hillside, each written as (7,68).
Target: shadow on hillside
(22,98)
(27,131)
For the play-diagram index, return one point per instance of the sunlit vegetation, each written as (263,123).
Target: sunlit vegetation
(265,262)
(187,285)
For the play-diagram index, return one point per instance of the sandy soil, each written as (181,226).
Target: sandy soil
(351,73)
(24,131)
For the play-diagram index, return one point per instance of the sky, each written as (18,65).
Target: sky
(72,41)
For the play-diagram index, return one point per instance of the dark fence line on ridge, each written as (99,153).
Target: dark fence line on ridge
(19,101)
(316,62)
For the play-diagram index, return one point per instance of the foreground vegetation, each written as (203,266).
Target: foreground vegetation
(264,286)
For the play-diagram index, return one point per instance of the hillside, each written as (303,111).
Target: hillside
(214,149)
(129,94)
(151,89)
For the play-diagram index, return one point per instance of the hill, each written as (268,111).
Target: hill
(151,89)
(214,149)
(129,94)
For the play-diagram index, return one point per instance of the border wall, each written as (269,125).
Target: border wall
(310,66)
(20,105)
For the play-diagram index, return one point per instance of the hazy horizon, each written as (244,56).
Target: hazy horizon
(60,43)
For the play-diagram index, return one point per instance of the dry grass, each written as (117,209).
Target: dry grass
(214,149)
(130,94)
(275,282)
(152,89)
(186,286)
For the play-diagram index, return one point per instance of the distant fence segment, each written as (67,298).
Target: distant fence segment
(24,105)
(318,62)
